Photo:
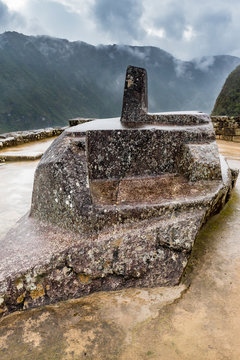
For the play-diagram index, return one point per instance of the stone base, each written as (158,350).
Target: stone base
(113,207)
(42,263)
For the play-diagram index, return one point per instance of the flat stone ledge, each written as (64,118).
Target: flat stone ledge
(5,157)
(79,120)
(24,137)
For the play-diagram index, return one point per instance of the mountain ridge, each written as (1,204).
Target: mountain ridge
(44,80)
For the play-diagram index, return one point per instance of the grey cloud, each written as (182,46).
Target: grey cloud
(52,18)
(190,29)
(195,29)
(4,14)
(213,19)
(120,18)
(215,30)
(173,21)
(9,20)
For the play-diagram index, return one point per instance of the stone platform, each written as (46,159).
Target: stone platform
(116,203)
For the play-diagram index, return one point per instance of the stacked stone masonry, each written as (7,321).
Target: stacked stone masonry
(22,137)
(227,127)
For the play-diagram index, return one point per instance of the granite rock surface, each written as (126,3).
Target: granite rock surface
(115,204)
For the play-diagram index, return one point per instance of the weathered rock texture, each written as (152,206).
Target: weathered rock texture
(227,127)
(5,157)
(23,137)
(115,204)
(79,120)
(135,99)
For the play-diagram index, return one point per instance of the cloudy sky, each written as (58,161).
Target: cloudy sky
(185,28)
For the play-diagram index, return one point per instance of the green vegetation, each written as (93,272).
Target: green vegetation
(228,101)
(45,81)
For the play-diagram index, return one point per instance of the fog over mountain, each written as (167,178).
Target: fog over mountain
(44,81)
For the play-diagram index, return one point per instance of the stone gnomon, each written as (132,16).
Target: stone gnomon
(116,203)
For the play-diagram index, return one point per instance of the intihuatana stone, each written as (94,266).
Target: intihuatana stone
(135,98)
(116,203)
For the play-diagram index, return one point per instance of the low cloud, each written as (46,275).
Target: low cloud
(204,63)
(141,54)
(182,69)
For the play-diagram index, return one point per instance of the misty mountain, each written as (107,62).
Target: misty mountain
(44,81)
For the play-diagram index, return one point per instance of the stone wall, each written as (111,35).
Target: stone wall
(23,137)
(227,127)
